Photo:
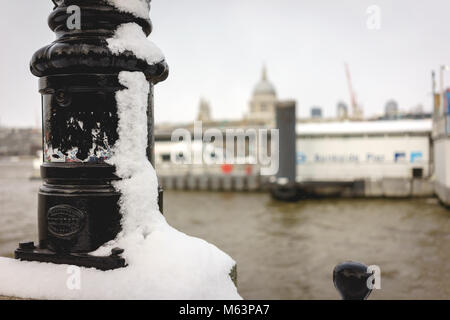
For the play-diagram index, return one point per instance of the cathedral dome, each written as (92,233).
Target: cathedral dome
(264,87)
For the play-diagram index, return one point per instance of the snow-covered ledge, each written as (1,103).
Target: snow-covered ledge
(162,262)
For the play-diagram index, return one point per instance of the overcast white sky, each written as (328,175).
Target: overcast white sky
(216,48)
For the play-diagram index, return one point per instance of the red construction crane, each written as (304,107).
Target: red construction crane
(356,111)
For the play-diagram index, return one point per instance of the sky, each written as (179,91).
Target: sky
(216,50)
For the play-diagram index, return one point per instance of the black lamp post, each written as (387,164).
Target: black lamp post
(78,207)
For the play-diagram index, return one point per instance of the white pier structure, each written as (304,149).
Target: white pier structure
(366,158)
(348,151)
(381,158)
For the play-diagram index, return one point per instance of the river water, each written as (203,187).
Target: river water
(285,250)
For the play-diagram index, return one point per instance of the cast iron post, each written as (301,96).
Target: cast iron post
(78,207)
(350,279)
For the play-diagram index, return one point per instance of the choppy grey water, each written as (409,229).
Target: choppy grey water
(285,251)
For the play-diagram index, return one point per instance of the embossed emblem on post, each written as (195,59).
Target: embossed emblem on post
(65,221)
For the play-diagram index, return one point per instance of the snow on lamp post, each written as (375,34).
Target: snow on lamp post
(78,207)
(98,206)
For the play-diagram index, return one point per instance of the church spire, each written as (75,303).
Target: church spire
(264,73)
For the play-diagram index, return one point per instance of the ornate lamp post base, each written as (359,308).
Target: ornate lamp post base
(28,252)
(78,208)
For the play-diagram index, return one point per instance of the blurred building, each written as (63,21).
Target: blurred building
(262,103)
(204,111)
(372,158)
(391,110)
(19,142)
(366,150)
(342,111)
(357,113)
(316,113)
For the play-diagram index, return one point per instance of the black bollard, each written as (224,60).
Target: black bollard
(350,279)
(78,208)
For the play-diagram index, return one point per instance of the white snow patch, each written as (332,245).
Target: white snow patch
(163,263)
(166,265)
(131,37)
(139,8)
(139,184)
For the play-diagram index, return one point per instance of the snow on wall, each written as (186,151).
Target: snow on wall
(163,263)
